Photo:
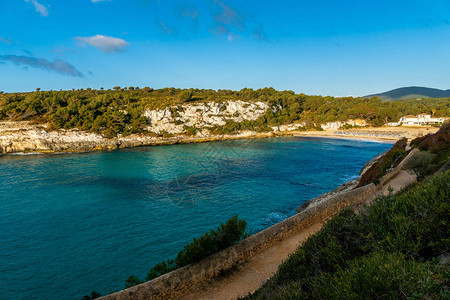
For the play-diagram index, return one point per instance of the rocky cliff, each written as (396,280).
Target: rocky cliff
(175,119)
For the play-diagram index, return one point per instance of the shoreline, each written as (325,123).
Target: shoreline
(133,141)
(336,137)
(385,133)
(180,140)
(21,138)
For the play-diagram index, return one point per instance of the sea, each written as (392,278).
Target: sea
(74,223)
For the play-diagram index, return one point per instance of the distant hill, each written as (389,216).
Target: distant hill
(412,92)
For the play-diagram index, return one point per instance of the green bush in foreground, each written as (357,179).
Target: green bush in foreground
(347,258)
(381,275)
(132,281)
(211,242)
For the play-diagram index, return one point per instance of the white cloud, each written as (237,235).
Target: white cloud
(104,43)
(41,9)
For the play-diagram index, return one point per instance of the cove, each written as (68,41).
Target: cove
(73,223)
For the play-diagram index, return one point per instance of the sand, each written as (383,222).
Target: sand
(385,133)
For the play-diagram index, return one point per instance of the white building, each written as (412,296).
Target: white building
(420,119)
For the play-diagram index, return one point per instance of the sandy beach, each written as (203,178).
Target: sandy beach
(385,133)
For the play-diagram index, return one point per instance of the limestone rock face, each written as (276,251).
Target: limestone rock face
(202,115)
(338,124)
(288,127)
(22,137)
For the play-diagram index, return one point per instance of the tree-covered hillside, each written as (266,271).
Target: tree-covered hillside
(119,111)
(412,92)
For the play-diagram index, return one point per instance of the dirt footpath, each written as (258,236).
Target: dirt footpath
(403,179)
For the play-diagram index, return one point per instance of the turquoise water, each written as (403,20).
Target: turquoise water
(73,223)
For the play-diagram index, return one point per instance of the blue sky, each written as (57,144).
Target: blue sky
(327,47)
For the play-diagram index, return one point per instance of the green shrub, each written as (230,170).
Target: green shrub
(377,276)
(190,130)
(161,268)
(439,145)
(185,96)
(381,275)
(438,142)
(233,231)
(349,126)
(132,281)
(230,127)
(214,241)
(93,295)
(165,134)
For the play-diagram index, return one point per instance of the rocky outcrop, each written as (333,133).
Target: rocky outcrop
(21,137)
(175,119)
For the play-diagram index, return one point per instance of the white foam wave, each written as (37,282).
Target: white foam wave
(26,153)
